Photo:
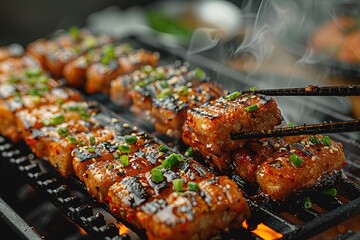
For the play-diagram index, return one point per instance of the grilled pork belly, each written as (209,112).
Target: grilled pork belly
(165,94)
(299,165)
(208,126)
(54,53)
(116,61)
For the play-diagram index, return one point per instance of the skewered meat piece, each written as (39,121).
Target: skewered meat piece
(208,127)
(299,165)
(115,62)
(165,94)
(11,51)
(54,53)
(167,214)
(28,91)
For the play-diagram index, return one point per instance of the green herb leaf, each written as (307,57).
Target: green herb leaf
(178,185)
(296,160)
(251,108)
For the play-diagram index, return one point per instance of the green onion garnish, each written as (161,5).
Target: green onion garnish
(36,72)
(60,101)
(296,160)
(156,175)
(189,152)
(124,160)
(178,185)
(183,91)
(90,42)
(108,54)
(92,140)
(233,96)
(326,141)
(314,139)
(164,84)
(74,32)
(251,108)
(110,166)
(34,92)
(193,186)
(252,89)
(43,79)
(164,93)
(147,69)
(199,73)
(63,131)
(162,148)
(91,149)
(124,148)
(130,139)
(82,143)
(72,140)
(291,124)
(116,155)
(160,75)
(54,120)
(171,160)
(330,191)
(307,202)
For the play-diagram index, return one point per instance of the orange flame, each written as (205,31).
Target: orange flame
(264,232)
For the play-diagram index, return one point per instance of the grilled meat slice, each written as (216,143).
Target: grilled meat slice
(166,214)
(54,53)
(100,175)
(115,62)
(165,94)
(299,165)
(212,122)
(11,51)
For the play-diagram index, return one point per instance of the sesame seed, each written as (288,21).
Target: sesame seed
(265,144)
(114,120)
(121,170)
(292,150)
(313,158)
(135,128)
(307,145)
(335,149)
(276,145)
(282,149)
(326,147)
(331,151)
(227,186)
(125,125)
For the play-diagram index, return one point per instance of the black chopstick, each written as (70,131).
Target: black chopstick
(311,90)
(331,127)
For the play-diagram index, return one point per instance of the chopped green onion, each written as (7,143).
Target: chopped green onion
(162,148)
(326,141)
(91,149)
(60,101)
(63,131)
(164,84)
(189,152)
(54,120)
(199,73)
(160,75)
(130,139)
(14,79)
(116,155)
(82,143)
(90,42)
(314,139)
(291,124)
(164,93)
(110,166)
(34,92)
(92,140)
(74,108)
(108,54)
(251,108)
(124,160)
(171,160)
(156,175)
(36,72)
(183,91)
(74,32)
(127,47)
(84,115)
(307,202)
(36,99)
(233,96)
(330,191)
(296,160)
(43,79)
(178,185)
(72,140)
(252,89)
(193,186)
(124,148)
(147,69)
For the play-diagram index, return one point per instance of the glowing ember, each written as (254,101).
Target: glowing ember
(264,232)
